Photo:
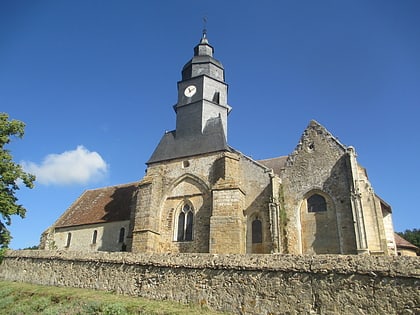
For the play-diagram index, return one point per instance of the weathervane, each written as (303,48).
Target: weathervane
(204,27)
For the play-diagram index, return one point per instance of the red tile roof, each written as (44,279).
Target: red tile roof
(108,204)
(403,243)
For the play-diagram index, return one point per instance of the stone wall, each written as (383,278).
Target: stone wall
(320,164)
(224,189)
(243,284)
(107,237)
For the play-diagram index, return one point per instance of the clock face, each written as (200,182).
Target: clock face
(190,90)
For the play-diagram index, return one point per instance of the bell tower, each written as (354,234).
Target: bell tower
(202,92)
(201,109)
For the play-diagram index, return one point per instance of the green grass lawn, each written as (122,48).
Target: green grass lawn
(23,298)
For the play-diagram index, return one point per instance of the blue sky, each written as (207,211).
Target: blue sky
(95,82)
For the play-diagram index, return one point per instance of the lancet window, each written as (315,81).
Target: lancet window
(185,224)
(256,231)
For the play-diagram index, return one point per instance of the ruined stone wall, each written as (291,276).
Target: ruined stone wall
(318,164)
(242,284)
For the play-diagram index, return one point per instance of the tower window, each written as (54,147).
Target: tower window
(94,236)
(122,235)
(316,203)
(185,224)
(256,231)
(216,97)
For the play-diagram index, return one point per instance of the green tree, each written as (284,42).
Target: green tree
(413,236)
(11,174)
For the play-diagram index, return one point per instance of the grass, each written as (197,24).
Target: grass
(23,298)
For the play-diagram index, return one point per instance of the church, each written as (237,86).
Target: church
(200,195)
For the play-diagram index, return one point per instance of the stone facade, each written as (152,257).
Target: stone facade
(200,195)
(111,237)
(242,284)
(214,187)
(353,221)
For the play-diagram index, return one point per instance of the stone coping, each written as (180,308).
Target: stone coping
(390,266)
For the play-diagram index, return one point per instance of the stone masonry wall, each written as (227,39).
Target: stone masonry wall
(242,284)
(224,186)
(318,164)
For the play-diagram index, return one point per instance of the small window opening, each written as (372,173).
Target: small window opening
(185,164)
(68,242)
(311,146)
(122,235)
(94,236)
(316,203)
(256,231)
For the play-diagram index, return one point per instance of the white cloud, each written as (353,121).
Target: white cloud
(78,166)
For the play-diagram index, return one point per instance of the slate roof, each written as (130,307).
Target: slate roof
(212,139)
(276,164)
(108,204)
(384,204)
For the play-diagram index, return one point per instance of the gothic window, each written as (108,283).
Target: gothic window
(122,234)
(94,237)
(185,224)
(68,240)
(256,231)
(316,203)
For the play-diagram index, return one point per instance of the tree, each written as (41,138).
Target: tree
(11,174)
(413,236)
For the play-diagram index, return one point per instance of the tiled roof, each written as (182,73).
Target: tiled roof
(276,164)
(401,242)
(108,204)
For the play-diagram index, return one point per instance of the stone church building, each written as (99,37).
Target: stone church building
(201,195)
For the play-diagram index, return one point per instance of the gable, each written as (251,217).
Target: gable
(108,204)
(316,140)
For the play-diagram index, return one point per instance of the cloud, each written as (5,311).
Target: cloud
(78,166)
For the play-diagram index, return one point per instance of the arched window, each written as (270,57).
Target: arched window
(94,237)
(256,231)
(316,203)
(122,235)
(181,224)
(185,224)
(189,226)
(68,242)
